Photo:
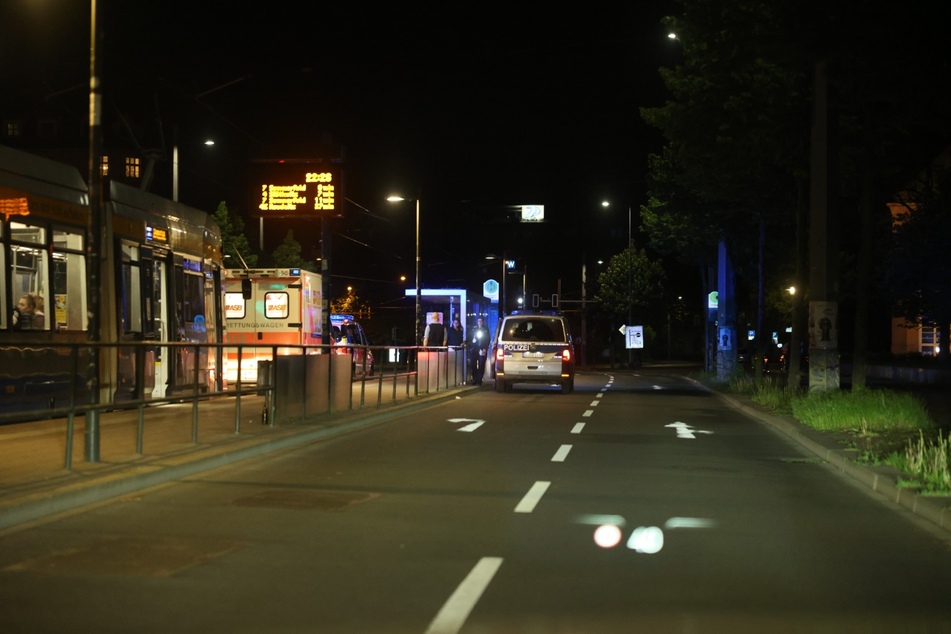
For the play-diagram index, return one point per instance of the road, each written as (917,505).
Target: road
(636,504)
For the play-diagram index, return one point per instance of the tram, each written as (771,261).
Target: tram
(160,282)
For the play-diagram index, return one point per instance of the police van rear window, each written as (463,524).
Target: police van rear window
(534,329)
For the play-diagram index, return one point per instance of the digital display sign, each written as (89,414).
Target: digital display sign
(294,189)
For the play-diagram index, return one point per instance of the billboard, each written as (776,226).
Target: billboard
(294,189)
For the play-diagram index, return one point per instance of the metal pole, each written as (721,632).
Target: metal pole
(584,312)
(630,317)
(416,342)
(95,239)
(175,164)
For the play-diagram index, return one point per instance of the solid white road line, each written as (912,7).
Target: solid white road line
(577,428)
(534,495)
(455,611)
(561,454)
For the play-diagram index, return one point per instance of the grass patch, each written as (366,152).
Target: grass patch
(927,461)
(884,427)
(865,410)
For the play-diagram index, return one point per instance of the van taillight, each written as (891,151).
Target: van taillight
(566,354)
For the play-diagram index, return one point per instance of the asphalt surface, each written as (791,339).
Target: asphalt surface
(34,483)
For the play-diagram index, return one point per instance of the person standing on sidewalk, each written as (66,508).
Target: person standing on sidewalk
(478,349)
(456,336)
(435,334)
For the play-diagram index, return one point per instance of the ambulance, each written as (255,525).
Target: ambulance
(270,307)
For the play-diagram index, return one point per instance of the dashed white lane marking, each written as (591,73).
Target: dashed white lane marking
(599,395)
(594,403)
(534,495)
(471,426)
(561,454)
(577,428)
(456,609)
(588,412)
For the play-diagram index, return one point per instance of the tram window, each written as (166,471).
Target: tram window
(27,233)
(30,268)
(69,281)
(194,308)
(130,291)
(7,310)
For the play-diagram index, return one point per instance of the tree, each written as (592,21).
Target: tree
(288,253)
(738,132)
(735,143)
(350,304)
(234,244)
(631,269)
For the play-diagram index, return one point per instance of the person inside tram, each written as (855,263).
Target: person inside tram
(28,314)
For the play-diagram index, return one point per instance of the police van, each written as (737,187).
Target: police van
(534,347)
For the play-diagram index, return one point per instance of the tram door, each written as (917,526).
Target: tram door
(160,303)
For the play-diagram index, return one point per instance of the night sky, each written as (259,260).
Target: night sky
(476,109)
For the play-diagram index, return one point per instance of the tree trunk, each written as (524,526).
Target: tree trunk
(863,281)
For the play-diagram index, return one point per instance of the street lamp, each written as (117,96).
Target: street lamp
(394,199)
(207,142)
(630,316)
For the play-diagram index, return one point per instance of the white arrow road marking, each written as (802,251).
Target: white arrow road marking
(456,609)
(534,495)
(686,431)
(471,426)
(561,454)
(657,387)
(465,420)
(577,428)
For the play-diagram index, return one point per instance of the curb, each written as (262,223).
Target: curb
(881,480)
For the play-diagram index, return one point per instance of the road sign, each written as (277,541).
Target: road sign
(633,336)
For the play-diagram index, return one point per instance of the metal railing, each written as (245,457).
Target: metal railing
(290,384)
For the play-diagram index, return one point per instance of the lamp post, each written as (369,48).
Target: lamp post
(95,237)
(207,142)
(630,310)
(392,199)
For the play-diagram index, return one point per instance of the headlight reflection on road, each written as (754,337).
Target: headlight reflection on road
(647,540)
(607,536)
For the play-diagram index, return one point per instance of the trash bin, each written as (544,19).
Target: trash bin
(264,375)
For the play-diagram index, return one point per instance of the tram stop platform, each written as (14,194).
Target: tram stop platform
(35,482)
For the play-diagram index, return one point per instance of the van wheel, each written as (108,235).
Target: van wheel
(567,387)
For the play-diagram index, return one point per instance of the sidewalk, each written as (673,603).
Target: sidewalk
(35,483)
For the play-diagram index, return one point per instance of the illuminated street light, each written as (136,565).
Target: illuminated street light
(630,315)
(394,199)
(207,142)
